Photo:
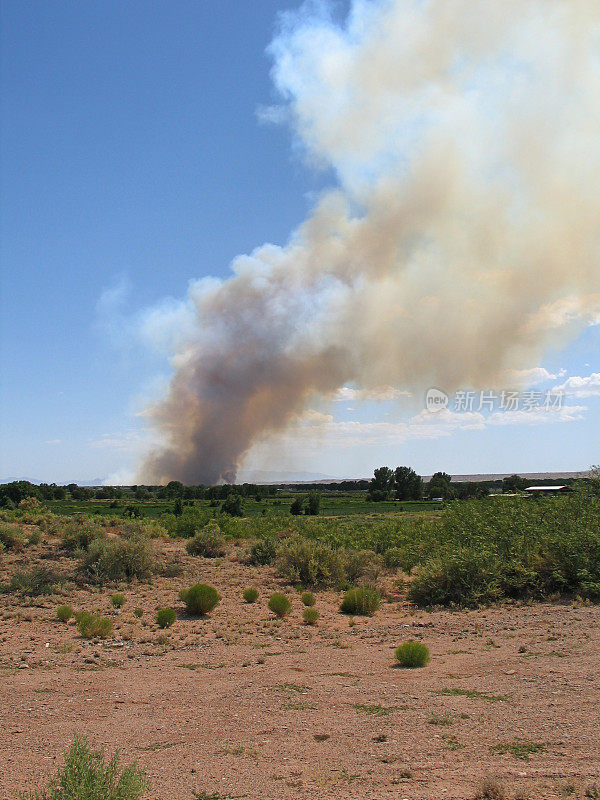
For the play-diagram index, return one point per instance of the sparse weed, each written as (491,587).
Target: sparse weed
(490,789)
(34,582)
(117,600)
(64,613)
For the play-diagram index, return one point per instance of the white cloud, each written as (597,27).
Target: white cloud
(576,386)
(532,376)
(53,441)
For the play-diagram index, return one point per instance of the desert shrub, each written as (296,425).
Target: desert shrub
(64,613)
(310,616)
(185,526)
(208,542)
(139,612)
(34,582)
(165,617)
(308,599)
(200,599)
(412,654)
(280,605)
(117,600)
(250,595)
(11,536)
(310,563)
(263,551)
(362,601)
(393,558)
(118,559)
(35,537)
(92,626)
(460,577)
(86,776)
(362,566)
(78,534)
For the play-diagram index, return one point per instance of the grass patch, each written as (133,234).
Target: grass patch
(520,748)
(474,694)
(373,710)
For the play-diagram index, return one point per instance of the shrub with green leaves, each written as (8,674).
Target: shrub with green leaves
(200,599)
(393,558)
(208,542)
(463,576)
(92,626)
(310,563)
(78,533)
(308,599)
(34,582)
(11,536)
(165,617)
(263,551)
(412,654)
(117,600)
(87,776)
(64,613)
(279,605)
(361,601)
(250,595)
(139,612)
(310,616)
(362,566)
(118,560)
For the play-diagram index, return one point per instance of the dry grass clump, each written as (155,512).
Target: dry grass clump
(64,613)
(250,595)
(310,616)
(92,626)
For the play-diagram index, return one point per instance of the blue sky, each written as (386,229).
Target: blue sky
(133,161)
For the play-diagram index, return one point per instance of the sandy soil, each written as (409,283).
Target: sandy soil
(240,705)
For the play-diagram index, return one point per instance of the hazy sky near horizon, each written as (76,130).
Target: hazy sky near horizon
(134,161)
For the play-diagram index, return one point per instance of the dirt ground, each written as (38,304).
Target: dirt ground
(240,705)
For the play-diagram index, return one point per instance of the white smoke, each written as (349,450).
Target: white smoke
(462,239)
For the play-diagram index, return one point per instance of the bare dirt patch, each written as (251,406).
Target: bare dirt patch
(241,705)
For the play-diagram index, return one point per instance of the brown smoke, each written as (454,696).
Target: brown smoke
(462,238)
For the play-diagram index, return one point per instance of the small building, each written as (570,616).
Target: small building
(540,491)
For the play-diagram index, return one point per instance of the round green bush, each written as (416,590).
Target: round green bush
(310,616)
(363,601)
(200,599)
(412,654)
(280,605)
(91,626)
(250,595)
(308,599)
(165,617)
(118,600)
(64,613)
(139,612)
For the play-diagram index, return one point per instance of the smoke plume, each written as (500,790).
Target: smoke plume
(462,237)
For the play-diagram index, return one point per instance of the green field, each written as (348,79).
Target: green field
(331,506)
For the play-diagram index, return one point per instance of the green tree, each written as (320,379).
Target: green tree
(178,507)
(233,505)
(297,507)
(439,486)
(381,484)
(407,484)
(314,504)
(514,483)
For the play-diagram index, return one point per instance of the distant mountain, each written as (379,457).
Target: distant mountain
(92,482)
(266,476)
